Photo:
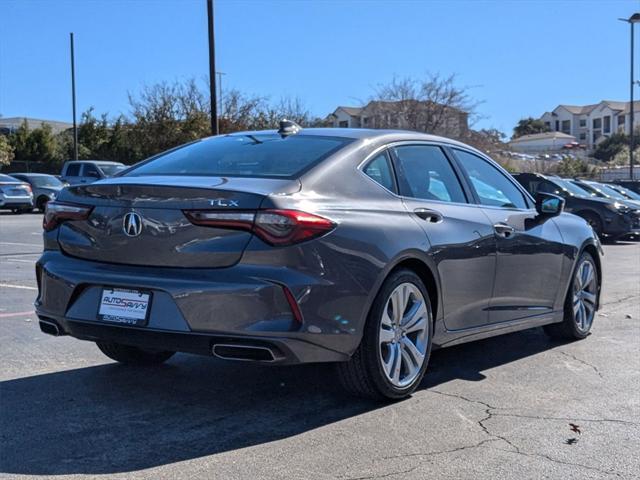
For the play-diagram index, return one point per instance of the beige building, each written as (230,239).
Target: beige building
(11,124)
(591,124)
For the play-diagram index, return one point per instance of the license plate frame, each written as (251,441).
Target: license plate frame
(125,309)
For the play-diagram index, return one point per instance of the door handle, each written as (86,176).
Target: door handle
(428,215)
(504,230)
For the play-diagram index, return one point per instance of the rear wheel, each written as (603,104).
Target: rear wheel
(133,355)
(580,304)
(393,355)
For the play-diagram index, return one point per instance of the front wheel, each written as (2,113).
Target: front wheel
(393,355)
(581,302)
(133,355)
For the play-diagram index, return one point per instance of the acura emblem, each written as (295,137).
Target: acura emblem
(132,224)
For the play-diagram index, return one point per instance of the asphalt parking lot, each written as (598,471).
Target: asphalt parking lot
(499,408)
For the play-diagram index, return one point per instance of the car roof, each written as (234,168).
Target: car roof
(363,134)
(33,174)
(101,162)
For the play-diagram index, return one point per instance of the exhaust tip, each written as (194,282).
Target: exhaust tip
(247,353)
(50,328)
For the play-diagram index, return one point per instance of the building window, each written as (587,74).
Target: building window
(583,136)
(583,122)
(343,124)
(566,126)
(365,121)
(557,125)
(607,124)
(621,120)
(597,123)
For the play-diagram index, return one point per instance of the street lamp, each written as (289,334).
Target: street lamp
(635,18)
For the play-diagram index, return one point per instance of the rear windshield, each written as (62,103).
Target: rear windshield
(110,170)
(264,155)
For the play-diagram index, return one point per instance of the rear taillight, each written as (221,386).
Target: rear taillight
(276,227)
(57,212)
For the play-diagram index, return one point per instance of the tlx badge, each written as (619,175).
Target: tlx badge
(221,202)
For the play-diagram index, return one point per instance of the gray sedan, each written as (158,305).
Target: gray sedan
(364,248)
(45,187)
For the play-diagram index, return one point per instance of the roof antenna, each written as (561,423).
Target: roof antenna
(288,127)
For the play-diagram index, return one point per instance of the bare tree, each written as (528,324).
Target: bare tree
(434,104)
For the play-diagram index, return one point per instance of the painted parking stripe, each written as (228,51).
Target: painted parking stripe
(23,287)
(22,244)
(16,314)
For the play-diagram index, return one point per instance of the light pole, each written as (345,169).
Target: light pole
(73,99)
(633,19)
(212,70)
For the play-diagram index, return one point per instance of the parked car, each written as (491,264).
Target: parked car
(45,187)
(365,248)
(15,195)
(600,190)
(606,216)
(633,185)
(630,194)
(88,171)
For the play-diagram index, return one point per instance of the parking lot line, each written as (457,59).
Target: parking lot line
(21,244)
(22,287)
(16,314)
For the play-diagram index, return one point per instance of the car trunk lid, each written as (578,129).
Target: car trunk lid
(141,220)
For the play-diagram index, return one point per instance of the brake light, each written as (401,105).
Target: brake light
(57,212)
(275,227)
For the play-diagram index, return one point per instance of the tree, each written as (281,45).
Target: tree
(434,104)
(529,126)
(6,151)
(37,145)
(612,146)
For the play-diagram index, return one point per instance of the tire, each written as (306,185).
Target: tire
(594,221)
(371,372)
(578,321)
(42,203)
(133,355)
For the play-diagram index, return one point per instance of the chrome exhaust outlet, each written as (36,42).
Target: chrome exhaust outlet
(246,353)
(50,328)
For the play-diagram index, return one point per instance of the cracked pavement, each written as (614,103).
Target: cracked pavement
(496,409)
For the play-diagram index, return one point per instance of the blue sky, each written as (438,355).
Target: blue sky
(521,57)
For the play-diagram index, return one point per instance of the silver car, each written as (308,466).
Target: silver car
(15,195)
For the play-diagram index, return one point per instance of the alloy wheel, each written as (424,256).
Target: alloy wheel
(585,288)
(404,334)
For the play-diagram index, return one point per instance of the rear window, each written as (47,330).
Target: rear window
(264,155)
(109,169)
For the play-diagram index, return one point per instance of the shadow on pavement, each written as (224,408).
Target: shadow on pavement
(112,419)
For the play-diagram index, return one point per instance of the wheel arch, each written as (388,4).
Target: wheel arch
(426,275)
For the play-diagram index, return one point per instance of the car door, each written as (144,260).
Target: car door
(90,173)
(461,238)
(72,174)
(530,248)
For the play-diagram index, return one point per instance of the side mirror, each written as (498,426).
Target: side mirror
(548,204)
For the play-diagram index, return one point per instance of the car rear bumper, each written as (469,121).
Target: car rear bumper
(192,309)
(16,202)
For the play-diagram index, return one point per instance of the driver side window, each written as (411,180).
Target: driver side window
(492,186)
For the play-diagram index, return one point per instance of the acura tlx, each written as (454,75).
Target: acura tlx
(364,248)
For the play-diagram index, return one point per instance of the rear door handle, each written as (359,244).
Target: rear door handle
(504,230)
(429,215)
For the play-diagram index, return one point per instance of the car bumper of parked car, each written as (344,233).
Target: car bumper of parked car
(15,202)
(622,224)
(235,313)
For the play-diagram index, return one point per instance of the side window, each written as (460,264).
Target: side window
(379,169)
(90,170)
(491,185)
(428,175)
(73,170)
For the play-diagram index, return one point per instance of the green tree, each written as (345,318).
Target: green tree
(6,151)
(528,126)
(610,147)
(37,145)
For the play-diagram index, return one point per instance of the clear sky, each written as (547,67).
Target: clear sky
(521,57)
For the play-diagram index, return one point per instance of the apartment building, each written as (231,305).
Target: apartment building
(590,124)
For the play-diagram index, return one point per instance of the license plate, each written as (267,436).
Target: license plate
(130,307)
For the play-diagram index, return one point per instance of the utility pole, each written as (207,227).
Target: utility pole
(632,20)
(220,74)
(73,100)
(212,70)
